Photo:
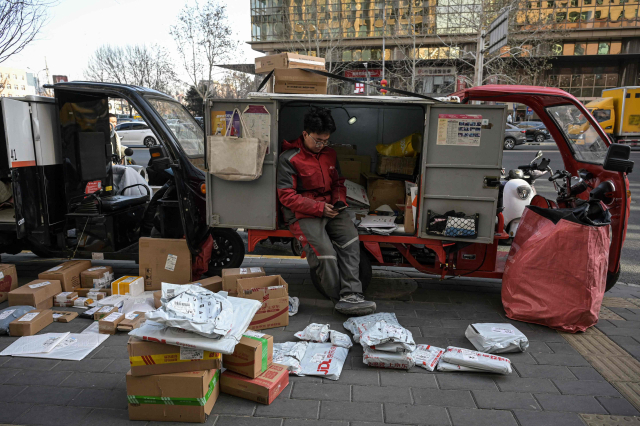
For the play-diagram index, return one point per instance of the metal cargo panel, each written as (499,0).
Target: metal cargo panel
(46,133)
(249,204)
(456,164)
(19,139)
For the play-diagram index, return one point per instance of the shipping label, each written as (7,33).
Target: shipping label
(38,285)
(459,129)
(131,316)
(5,314)
(29,316)
(112,317)
(170,264)
(188,353)
(502,330)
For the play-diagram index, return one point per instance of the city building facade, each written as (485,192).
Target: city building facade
(427,43)
(15,82)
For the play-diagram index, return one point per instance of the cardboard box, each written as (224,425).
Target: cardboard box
(265,64)
(147,358)
(389,192)
(231,276)
(157,295)
(103,312)
(96,277)
(128,286)
(263,389)
(299,81)
(37,293)
(164,260)
(213,284)
(252,355)
(96,295)
(345,149)
(399,165)
(63,316)
(131,321)
(352,166)
(68,273)
(31,323)
(8,280)
(273,292)
(109,324)
(84,292)
(177,397)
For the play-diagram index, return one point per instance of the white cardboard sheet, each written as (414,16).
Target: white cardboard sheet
(40,343)
(74,347)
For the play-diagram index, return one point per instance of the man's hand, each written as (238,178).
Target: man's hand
(329,211)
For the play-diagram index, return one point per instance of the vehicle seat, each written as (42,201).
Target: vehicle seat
(119,202)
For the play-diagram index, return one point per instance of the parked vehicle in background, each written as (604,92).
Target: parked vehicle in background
(200,121)
(536,131)
(513,136)
(617,113)
(136,133)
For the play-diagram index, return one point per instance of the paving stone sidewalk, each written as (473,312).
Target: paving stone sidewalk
(550,385)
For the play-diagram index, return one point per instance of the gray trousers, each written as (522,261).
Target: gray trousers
(333,252)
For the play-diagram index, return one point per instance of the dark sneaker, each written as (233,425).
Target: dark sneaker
(354,304)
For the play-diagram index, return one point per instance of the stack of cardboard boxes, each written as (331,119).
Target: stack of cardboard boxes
(171,383)
(288,77)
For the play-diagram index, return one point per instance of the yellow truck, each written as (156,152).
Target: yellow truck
(618,112)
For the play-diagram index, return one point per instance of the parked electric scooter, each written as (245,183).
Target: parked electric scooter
(517,190)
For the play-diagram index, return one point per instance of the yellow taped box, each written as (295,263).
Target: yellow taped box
(147,358)
(128,285)
(176,397)
(252,355)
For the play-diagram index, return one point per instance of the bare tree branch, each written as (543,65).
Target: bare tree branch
(20,23)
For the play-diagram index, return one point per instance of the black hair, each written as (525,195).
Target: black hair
(112,115)
(319,120)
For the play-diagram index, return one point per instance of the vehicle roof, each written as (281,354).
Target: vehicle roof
(93,86)
(547,96)
(600,102)
(338,98)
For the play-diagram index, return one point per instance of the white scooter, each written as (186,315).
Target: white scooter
(517,191)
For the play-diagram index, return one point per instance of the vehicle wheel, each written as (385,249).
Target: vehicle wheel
(539,137)
(296,247)
(227,252)
(365,274)
(612,279)
(149,141)
(509,143)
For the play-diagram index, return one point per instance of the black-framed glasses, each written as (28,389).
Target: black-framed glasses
(319,143)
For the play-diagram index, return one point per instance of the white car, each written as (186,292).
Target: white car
(135,133)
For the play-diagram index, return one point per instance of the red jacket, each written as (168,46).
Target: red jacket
(306,181)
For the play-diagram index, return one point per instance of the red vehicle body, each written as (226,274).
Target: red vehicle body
(484,260)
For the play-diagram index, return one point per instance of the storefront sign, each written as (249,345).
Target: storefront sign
(375,73)
(436,71)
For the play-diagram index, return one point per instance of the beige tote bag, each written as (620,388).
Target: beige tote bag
(234,158)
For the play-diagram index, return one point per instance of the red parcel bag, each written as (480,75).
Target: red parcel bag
(556,270)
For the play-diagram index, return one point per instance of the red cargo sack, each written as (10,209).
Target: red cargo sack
(556,270)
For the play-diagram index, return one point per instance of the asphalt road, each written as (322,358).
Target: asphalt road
(631,251)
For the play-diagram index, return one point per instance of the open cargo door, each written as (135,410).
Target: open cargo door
(461,165)
(244,204)
(17,129)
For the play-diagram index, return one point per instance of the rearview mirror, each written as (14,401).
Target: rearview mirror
(617,159)
(128,152)
(538,155)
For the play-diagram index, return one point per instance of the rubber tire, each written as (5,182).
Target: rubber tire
(296,247)
(511,145)
(612,279)
(540,138)
(149,142)
(234,243)
(366,273)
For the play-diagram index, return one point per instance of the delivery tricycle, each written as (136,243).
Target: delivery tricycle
(458,221)
(69,199)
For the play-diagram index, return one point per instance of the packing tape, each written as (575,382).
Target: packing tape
(163,400)
(137,361)
(265,354)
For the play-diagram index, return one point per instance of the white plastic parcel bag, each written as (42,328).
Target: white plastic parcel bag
(314,333)
(445,366)
(75,347)
(388,337)
(427,356)
(496,338)
(324,359)
(396,360)
(474,359)
(294,304)
(340,339)
(243,312)
(290,354)
(195,309)
(40,343)
(358,325)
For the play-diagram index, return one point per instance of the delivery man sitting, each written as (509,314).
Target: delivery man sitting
(313,197)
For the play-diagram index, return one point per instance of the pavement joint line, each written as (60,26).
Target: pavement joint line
(615,364)
(601,420)
(608,314)
(619,302)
